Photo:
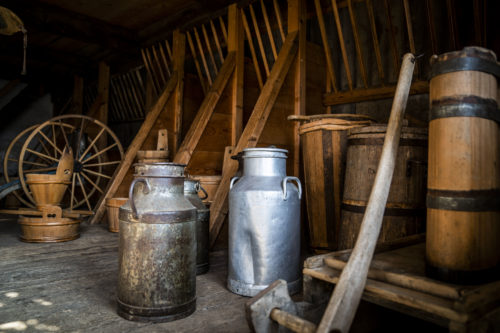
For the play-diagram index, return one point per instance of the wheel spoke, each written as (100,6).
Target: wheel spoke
(44,147)
(100,153)
(91,182)
(40,170)
(54,138)
(103,163)
(96,173)
(29,162)
(72,192)
(91,145)
(46,157)
(77,153)
(84,192)
(64,134)
(56,149)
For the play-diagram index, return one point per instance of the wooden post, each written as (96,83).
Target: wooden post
(179,56)
(235,44)
(77,101)
(103,91)
(296,21)
(254,127)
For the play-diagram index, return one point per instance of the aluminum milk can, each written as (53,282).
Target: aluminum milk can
(264,224)
(191,188)
(157,248)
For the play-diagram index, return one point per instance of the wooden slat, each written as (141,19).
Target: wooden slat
(452,23)
(147,64)
(202,56)
(360,95)
(254,127)
(159,67)
(326,45)
(169,50)
(179,45)
(216,39)
(136,144)
(357,43)
(409,28)
(342,43)
(259,40)
(432,29)
(236,44)
(269,30)
(164,60)
(223,28)
(196,62)
(277,12)
(205,111)
(252,49)
(394,44)
(376,46)
(209,47)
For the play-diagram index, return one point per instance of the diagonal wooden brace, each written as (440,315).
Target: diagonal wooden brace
(254,128)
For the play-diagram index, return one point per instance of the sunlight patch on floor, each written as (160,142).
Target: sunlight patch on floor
(12,294)
(42,302)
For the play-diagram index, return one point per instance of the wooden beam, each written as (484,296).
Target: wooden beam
(179,55)
(371,94)
(136,144)
(235,44)
(45,17)
(254,127)
(297,11)
(205,111)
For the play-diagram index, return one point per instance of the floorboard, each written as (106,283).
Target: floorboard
(71,287)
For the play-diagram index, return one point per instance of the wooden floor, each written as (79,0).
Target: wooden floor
(71,287)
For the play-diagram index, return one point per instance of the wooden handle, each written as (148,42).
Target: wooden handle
(347,293)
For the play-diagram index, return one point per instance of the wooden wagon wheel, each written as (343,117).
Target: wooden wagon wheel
(11,161)
(96,149)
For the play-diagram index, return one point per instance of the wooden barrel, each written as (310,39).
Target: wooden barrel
(209,183)
(324,147)
(112,208)
(405,209)
(463,199)
(41,230)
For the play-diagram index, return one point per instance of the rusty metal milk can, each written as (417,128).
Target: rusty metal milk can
(264,224)
(157,248)
(191,188)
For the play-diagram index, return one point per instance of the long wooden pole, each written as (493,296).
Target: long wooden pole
(347,293)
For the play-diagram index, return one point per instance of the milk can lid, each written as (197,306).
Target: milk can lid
(271,152)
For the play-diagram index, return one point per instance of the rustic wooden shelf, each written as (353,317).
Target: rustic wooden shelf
(397,280)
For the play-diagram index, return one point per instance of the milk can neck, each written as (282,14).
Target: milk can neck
(264,166)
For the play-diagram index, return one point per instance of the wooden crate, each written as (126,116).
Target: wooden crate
(397,281)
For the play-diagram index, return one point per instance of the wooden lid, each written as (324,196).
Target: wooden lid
(332,124)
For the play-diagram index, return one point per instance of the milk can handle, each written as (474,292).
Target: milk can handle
(131,193)
(200,188)
(233,180)
(286,180)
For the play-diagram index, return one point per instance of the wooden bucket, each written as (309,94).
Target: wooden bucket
(209,183)
(47,190)
(405,209)
(463,199)
(42,230)
(324,147)
(112,207)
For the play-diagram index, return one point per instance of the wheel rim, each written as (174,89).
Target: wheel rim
(96,150)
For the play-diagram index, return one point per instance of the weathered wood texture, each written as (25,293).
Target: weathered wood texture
(397,280)
(405,208)
(464,156)
(69,287)
(136,144)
